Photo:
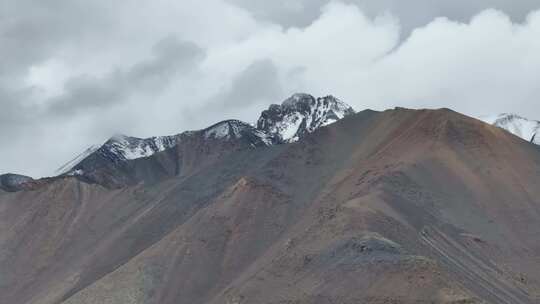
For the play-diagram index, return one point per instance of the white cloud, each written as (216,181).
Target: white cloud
(48,77)
(488,65)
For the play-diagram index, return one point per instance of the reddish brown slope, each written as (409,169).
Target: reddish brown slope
(400,206)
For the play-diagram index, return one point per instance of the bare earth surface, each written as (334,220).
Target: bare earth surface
(401,206)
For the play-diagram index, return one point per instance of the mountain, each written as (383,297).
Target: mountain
(67,168)
(120,148)
(301,114)
(517,125)
(238,130)
(14,182)
(399,206)
(296,117)
(126,160)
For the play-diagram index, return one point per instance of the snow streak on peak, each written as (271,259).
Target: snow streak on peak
(127,148)
(235,129)
(120,148)
(517,125)
(301,114)
(226,129)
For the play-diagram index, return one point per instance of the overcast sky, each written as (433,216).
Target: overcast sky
(75,72)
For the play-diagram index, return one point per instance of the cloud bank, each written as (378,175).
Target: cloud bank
(73,73)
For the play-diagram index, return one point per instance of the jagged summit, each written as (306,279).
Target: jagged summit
(295,117)
(517,125)
(301,114)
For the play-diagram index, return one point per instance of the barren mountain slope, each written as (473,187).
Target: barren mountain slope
(400,206)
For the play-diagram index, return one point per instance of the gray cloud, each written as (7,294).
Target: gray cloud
(83,111)
(252,90)
(83,93)
(32,30)
(258,82)
(415,13)
(286,13)
(411,13)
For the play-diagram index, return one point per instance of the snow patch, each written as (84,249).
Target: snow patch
(288,128)
(219,131)
(517,125)
(301,114)
(129,148)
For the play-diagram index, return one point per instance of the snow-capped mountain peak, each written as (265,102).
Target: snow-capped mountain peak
(297,116)
(301,114)
(235,129)
(517,125)
(122,147)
